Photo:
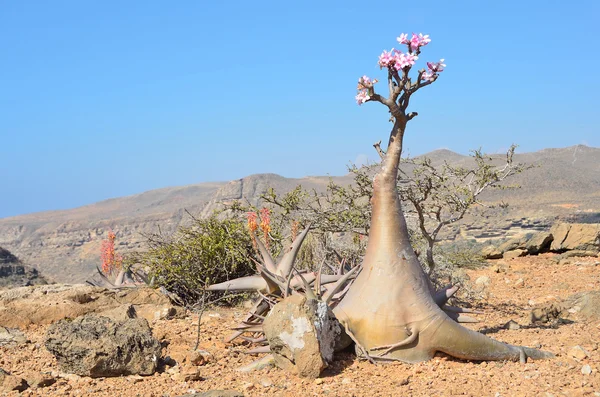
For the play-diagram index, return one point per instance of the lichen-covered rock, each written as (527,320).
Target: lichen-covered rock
(99,346)
(302,334)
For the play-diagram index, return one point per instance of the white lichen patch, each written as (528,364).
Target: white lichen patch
(327,331)
(295,340)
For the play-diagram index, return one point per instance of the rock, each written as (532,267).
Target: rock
(13,273)
(37,380)
(167,313)
(266,382)
(516,253)
(46,304)
(575,254)
(199,357)
(99,346)
(121,313)
(11,337)
(216,393)
(491,252)
(512,325)
(483,281)
(539,242)
(187,373)
(266,361)
(587,304)
(546,314)
(578,353)
(10,382)
(302,334)
(575,236)
(586,370)
(512,244)
(519,283)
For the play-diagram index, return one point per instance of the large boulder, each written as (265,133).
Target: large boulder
(302,334)
(99,346)
(575,236)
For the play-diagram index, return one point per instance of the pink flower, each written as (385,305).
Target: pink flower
(419,41)
(365,82)
(424,39)
(402,60)
(403,38)
(436,67)
(385,58)
(362,97)
(428,76)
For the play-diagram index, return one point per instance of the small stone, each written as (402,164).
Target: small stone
(586,370)
(346,381)
(512,325)
(266,382)
(198,357)
(248,386)
(519,283)
(578,353)
(319,381)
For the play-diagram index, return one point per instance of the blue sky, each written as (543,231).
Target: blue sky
(101,99)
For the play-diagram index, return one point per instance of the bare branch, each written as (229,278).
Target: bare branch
(377,146)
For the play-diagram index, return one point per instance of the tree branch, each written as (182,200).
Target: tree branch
(377,146)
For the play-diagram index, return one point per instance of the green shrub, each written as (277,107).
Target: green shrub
(209,251)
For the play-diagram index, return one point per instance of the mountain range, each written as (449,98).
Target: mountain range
(65,245)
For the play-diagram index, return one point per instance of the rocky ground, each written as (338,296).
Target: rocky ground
(510,289)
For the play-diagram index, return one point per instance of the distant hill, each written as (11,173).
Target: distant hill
(66,244)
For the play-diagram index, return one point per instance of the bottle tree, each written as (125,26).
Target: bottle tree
(387,305)
(391,310)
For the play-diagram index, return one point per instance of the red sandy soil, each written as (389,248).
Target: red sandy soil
(508,298)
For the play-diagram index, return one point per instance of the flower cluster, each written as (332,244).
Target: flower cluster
(364,87)
(111,261)
(396,59)
(432,70)
(265,225)
(364,83)
(415,42)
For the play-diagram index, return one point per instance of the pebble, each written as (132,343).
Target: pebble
(578,353)
(586,370)
(266,382)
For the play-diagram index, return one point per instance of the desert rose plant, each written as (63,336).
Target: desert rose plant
(391,310)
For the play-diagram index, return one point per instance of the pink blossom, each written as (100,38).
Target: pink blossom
(436,67)
(428,76)
(385,58)
(362,97)
(419,41)
(402,60)
(365,82)
(403,38)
